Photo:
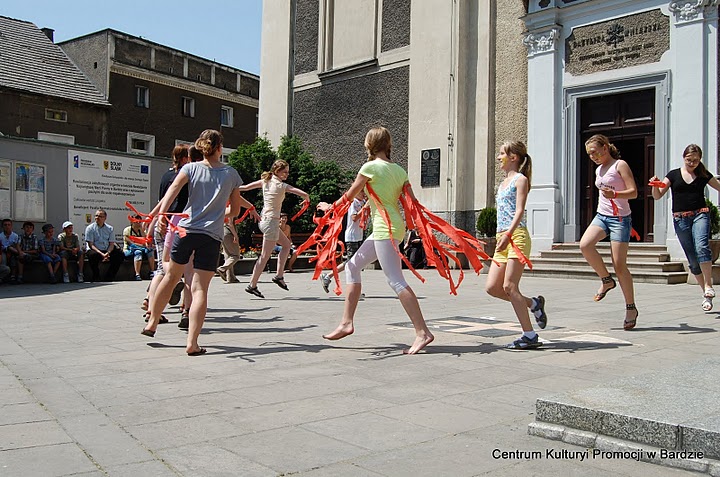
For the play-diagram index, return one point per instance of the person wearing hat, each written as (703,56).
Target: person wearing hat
(70,250)
(50,251)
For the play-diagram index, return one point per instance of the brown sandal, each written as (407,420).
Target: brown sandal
(605,281)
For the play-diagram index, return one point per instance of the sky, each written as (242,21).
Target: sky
(228,33)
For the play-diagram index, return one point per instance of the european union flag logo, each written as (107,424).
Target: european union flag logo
(144,169)
(76,162)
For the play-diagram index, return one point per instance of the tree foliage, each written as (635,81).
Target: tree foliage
(323,180)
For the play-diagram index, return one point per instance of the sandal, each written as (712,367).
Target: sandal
(707,303)
(145,304)
(630,324)
(605,281)
(163,319)
(709,292)
(254,291)
(280,281)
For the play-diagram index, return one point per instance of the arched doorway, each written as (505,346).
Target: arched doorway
(628,120)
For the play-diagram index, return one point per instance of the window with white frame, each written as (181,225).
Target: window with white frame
(356,19)
(188,107)
(55,115)
(138,143)
(52,137)
(226,116)
(142,97)
(226,151)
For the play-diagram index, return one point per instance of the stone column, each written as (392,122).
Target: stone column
(544,212)
(693,116)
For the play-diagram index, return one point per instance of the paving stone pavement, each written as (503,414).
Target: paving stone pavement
(83,393)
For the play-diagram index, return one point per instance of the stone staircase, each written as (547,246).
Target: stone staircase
(648,263)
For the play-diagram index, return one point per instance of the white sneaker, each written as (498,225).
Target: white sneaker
(81,278)
(325,280)
(66,278)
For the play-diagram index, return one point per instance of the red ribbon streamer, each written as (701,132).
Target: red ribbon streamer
(417,217)
(245,215)
(364,217)
(521,256)
(305,205)
(659,184)
(616,213)
(144,241)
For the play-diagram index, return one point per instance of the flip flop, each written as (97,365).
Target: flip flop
(150,333)
(163,319)
(198,352)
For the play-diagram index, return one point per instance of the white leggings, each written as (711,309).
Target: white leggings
(385,252)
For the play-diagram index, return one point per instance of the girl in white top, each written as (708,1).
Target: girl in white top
(273,188)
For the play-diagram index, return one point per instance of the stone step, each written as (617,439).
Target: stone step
(639,276)
(633,255)
(641,246)
(632,265)
(675,409)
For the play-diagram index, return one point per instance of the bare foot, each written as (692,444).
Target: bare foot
(419,344)
(340,332)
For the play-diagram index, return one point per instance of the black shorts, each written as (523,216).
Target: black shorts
(206,248)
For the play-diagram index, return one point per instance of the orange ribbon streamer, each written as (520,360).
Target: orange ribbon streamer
(521,256)
(305,205)
(245,215)
(364,217)
(659,184)
(616,213)
(325,238)
(144,241)
(417,217)
(148,218)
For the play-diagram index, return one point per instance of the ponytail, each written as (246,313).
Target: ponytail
(276,167)
(602,140)
(700,170)
(519,149)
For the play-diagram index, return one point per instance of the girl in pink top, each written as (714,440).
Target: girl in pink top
(616,184)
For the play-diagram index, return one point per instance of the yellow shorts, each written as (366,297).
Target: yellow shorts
(521,237)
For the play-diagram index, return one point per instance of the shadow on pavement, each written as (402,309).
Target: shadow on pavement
(682,328)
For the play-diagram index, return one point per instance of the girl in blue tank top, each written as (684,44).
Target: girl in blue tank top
(512,237)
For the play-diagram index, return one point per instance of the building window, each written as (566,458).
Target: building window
(142,97)
(56,115)
(188,107)
(226,151)
(226,116)
(138,143)
(52,137)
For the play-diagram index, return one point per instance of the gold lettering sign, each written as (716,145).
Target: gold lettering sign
(628,41)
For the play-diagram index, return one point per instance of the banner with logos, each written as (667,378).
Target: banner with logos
(5,191)
(102,181)
(29,192)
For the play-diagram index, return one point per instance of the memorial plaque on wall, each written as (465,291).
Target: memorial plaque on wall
(430,168)
(627,41)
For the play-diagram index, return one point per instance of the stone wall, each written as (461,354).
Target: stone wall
(332,119)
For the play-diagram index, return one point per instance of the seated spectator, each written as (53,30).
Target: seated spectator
(70,250)
(136,251)
(414,250)
(28,249)
(50,251)
(4,269)
(9,241)
(101,246)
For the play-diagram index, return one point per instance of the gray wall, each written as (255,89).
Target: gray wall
(307,18)
(87,51)
(55,158)
(332,119)
(395,24)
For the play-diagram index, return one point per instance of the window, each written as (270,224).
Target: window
(63,138)
(226,151)
(56,115)
(142,97)
(188,107)
(226,116)
(138,143)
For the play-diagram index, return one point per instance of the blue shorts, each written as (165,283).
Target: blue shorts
(618,228)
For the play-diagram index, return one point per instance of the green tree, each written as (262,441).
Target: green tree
(323,180)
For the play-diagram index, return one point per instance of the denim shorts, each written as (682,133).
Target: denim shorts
(618,228)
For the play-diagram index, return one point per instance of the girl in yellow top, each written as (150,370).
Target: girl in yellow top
(387,180)
(504,280)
